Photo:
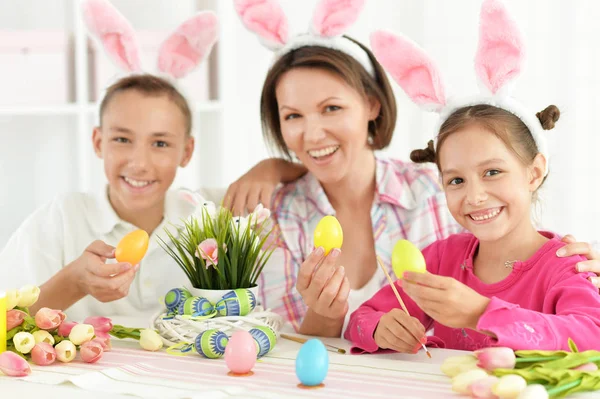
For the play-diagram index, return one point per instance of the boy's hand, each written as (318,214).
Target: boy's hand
(444,299)
(397,331)
(258,184)
(105,282)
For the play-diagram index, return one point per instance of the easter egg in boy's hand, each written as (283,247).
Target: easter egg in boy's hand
(328,234)
(407,258)
(132,247)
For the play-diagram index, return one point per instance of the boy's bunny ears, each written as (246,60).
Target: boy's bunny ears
(330,20)
(178,55)
(499,61)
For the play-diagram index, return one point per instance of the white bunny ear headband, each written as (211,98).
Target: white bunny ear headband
(179,54)
(499,61)
(330,20)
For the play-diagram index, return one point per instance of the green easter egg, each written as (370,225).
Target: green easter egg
(239,302)
(197,306)
(175,297)
(211,343)
(265,338)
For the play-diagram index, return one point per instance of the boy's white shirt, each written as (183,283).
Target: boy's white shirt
(57,233)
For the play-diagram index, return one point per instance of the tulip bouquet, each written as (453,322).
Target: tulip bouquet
(524,374)
(219,251)
(46,337)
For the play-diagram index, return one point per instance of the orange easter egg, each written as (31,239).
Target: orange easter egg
(328,234)
(132,247)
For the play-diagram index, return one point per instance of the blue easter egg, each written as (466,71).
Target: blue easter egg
(175,297)
(312,363)
(265,339)
(238,302)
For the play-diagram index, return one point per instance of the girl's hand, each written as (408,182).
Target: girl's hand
(325,290)
(445,299)
(584,249)
(105,282)
(397,331)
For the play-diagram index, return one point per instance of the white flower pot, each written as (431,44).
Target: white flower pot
(214,295)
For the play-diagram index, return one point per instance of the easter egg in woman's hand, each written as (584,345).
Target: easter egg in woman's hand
(328,234)
(407,258)
(132,247)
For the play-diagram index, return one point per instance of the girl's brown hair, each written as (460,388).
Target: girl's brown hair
(503,124)
(353,73)
(149,85)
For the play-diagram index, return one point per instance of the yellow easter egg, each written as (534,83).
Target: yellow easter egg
(132,247)
(328,234)
(407,258)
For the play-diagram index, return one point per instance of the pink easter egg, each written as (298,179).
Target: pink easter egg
(240,352)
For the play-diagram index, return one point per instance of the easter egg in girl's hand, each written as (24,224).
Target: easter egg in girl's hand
(132,247)
(328,234)
(312,363)
(407,258)
(240,352)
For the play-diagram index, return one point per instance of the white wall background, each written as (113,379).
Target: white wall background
(36,158)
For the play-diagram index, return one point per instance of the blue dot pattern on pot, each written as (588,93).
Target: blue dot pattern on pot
(239,302)
(265,338)
(211,343)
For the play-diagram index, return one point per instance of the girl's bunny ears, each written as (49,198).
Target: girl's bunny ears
(178,55)
(330,20)
(499,61)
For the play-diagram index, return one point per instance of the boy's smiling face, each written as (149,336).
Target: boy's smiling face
(142,140)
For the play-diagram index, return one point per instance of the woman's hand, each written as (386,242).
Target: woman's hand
(445,299)
(325,287)
(584,249)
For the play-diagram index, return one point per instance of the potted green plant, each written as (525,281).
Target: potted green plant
(219,252)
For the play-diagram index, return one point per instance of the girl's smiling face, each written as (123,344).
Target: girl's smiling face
(488,188)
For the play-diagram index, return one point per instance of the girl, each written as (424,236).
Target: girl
(501,284)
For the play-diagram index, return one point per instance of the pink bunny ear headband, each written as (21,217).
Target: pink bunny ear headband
(330,20)
(179,54)
(499,61)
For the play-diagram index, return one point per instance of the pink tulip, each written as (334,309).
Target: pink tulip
(104,342)
(14,365)
(496,358)
(208,250)
(65,328)
(103,335)
(100,324)
(49,319)
(14,318)
(91,351)
(260,214)
(587,367)
(43,354)
(483,388)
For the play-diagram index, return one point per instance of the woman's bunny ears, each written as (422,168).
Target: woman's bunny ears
(331,19)
(178,55)
(499,61)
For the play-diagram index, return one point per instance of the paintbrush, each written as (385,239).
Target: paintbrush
(398,297)
(303,340)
